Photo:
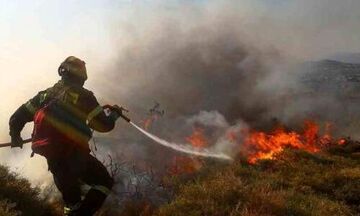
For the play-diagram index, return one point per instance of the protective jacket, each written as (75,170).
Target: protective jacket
(66,127)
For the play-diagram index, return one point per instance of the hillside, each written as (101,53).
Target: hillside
(346,57)
(332,77)
(294,183)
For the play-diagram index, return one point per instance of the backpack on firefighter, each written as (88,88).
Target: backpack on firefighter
(56,122)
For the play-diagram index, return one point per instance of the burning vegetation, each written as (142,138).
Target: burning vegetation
(293,182)
(260,145)
(257,145)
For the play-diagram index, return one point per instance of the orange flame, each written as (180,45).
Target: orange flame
(188,165)
(197,138)
(261,145)
(256,145)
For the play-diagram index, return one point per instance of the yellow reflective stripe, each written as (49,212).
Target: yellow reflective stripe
(30,107)
(43,97)
(102,189)
(72,97)
(94,113)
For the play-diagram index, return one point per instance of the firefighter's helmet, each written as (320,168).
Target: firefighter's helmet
(73,67)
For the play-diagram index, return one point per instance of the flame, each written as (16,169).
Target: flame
(256,145)
(197,138)
(188,165)
(260,145)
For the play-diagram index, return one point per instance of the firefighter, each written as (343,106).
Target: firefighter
(64,117)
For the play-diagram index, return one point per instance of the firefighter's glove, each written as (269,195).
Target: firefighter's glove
(16,141)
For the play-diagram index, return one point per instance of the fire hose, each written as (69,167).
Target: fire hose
(184,148)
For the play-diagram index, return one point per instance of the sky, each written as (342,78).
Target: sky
(36,36)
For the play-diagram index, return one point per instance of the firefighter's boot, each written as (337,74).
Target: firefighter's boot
(92,202)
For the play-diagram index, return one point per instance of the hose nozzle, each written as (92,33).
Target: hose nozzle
(119,110)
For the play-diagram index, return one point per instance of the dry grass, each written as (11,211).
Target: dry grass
(296,183)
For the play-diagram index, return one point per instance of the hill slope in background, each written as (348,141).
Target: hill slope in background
(347,57)
(332,77)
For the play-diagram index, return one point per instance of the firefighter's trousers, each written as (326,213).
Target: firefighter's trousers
(71,172)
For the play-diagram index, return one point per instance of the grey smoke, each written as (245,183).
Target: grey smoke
(212,118)
(237,59)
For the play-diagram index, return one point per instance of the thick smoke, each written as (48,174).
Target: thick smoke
(233,59)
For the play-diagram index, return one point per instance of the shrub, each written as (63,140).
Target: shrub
(17,196)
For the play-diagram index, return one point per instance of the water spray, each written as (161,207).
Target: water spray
(182,147)
(187,149)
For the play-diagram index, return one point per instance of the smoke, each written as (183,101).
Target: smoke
(235,58)
(212,118)
(217,56)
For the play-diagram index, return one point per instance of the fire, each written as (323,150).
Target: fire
(197,138)
(188,165)
(260,145)
(256,145)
